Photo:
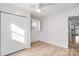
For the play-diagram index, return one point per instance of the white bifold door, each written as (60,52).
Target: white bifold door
(13,33)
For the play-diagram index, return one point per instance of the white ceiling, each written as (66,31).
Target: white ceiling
(47,9)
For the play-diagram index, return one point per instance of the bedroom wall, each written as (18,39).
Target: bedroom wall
(55,28)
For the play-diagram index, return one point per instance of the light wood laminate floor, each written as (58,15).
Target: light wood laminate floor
(45,49)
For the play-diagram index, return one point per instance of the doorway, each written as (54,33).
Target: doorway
(73,31)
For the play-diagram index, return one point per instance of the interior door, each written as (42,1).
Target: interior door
(19,32)
(13,33)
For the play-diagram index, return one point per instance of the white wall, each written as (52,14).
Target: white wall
(55,28)
(35,36)
(19,11)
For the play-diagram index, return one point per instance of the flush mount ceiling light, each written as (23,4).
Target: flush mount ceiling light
(38,8)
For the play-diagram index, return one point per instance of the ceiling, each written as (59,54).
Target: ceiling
(47,9)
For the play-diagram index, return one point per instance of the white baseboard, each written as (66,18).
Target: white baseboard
(53,43)
(34,41)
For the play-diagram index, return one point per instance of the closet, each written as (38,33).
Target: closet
(13,33)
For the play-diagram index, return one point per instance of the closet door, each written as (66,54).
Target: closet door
(19,32)
(13,32)
(7,43)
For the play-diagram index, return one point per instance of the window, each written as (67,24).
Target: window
(35,25)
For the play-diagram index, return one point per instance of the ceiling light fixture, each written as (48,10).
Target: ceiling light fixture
(38,8)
